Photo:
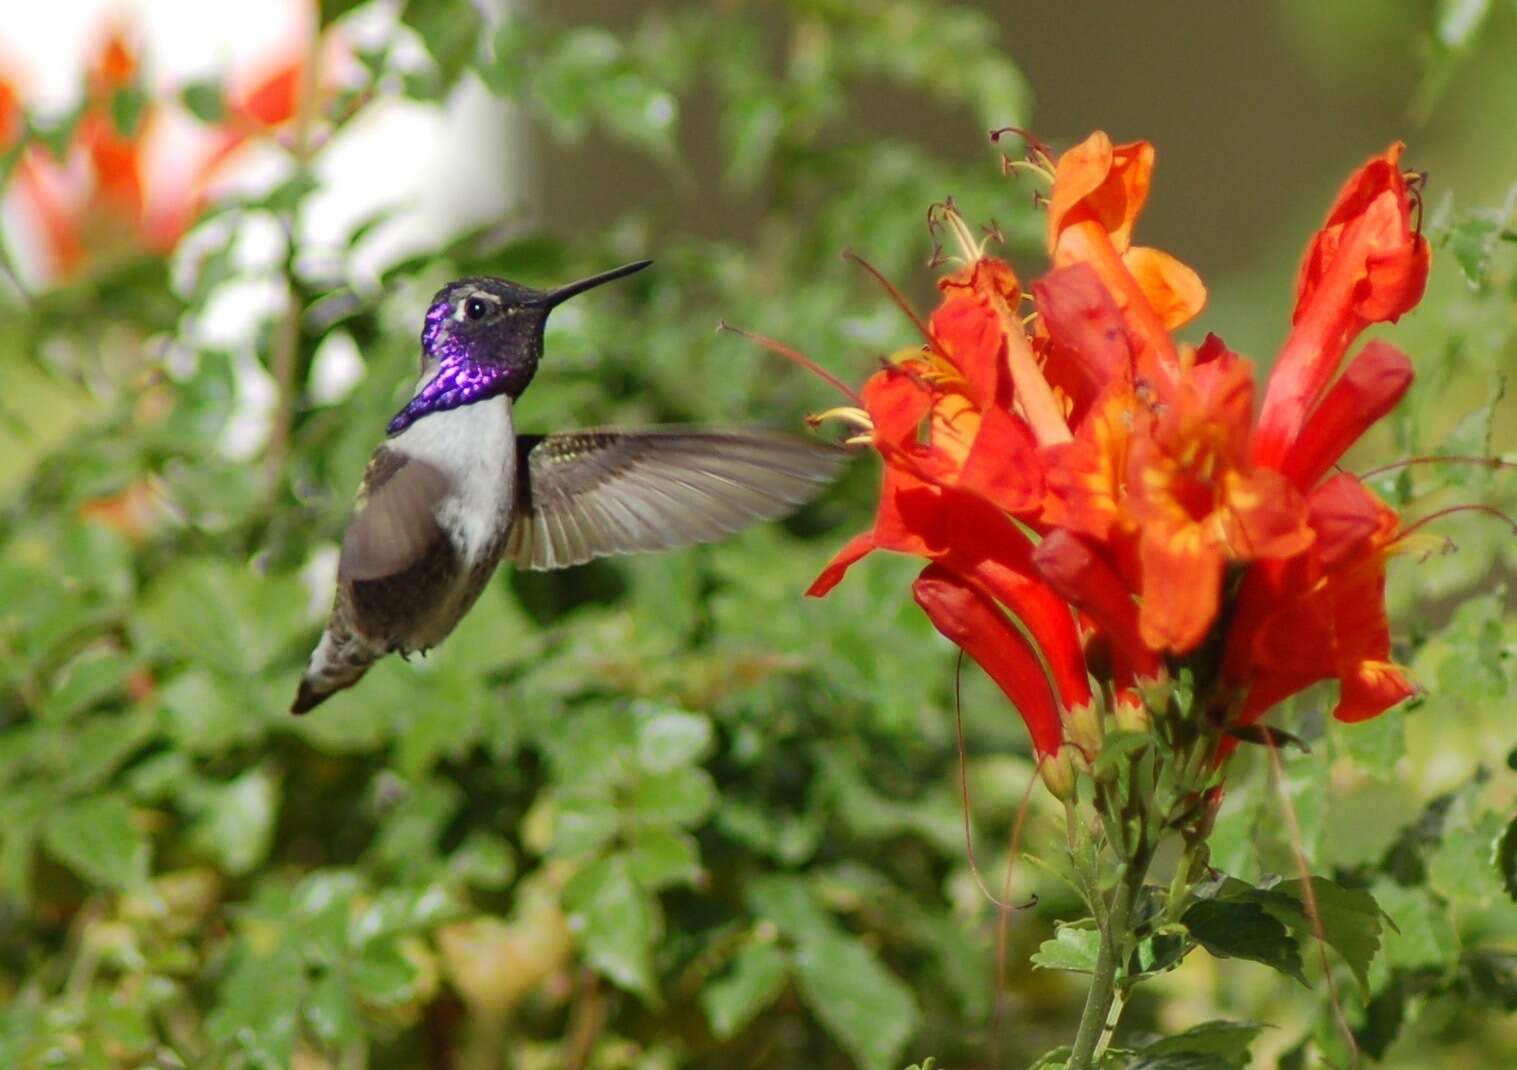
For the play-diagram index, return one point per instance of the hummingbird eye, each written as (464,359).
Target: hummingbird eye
(475,308)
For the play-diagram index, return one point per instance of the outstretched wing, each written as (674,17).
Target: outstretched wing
(586,494)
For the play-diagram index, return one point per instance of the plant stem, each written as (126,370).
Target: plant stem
(1094,1024)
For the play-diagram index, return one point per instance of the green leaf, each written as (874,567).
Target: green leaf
(1350,919)
(758,975)
(1072,948)
(128,106)
(96,838)
(1506,858)
(680,797)
(332,10)
(789,905)
(213,613)
(86,681)
(382,974)
(204,101)
(483,860)
(667,741)
(1208,1046)
(451,31)
(616,923)
(1424,936)
(207,713)
(864,1006)
(258,1005)
(583,823)
(237,820)
(330,1010)
(1114,750)
(1244,930)
(1463,867)
(662,856)
(1157,953)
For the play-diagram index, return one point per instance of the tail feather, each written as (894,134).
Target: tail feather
(337,663)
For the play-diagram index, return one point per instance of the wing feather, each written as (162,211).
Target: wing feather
(587,494)
(395,520)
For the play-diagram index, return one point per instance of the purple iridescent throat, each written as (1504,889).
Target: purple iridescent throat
(460,379)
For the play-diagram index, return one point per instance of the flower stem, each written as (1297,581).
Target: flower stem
(1097,1021)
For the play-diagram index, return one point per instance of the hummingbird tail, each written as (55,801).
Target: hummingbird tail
(337,664)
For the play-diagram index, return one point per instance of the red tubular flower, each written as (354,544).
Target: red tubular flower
(1322,615)
(1099,189)
(974,624)
(1366,265)
(1086,485)
(1369,388)
(1077,572)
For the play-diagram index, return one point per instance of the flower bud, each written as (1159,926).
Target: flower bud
(1058,773)
(1085,730)
(1131,714)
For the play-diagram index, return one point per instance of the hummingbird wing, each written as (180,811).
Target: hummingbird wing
(395,519)
(586,494)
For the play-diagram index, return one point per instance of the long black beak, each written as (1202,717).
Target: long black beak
(549,298)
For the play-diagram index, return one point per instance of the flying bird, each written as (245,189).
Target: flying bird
(453,488)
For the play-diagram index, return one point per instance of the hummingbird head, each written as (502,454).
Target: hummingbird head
(484,337)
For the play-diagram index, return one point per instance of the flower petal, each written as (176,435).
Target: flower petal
(976,626)
(1369,388)
(1174,291)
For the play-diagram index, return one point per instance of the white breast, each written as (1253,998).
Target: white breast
(475,446)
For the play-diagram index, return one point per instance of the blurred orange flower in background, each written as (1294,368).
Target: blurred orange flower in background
(1095,498)
(137,169)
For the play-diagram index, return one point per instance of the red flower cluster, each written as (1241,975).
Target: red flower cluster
(1095,498)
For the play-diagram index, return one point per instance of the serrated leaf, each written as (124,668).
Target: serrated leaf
(616,923)
(1072,948)
(758,975)
(865,1007)
(95,837)
(1245,930)
(1350,920)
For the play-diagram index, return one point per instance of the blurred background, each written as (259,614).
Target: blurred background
(661,812)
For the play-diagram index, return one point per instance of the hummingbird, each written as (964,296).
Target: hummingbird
(453,489)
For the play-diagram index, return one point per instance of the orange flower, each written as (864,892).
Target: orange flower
(1321,615)
(1098,191)
(1087,488)
(120,192)
(1366,265)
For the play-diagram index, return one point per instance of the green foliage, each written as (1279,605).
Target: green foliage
(664,810)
